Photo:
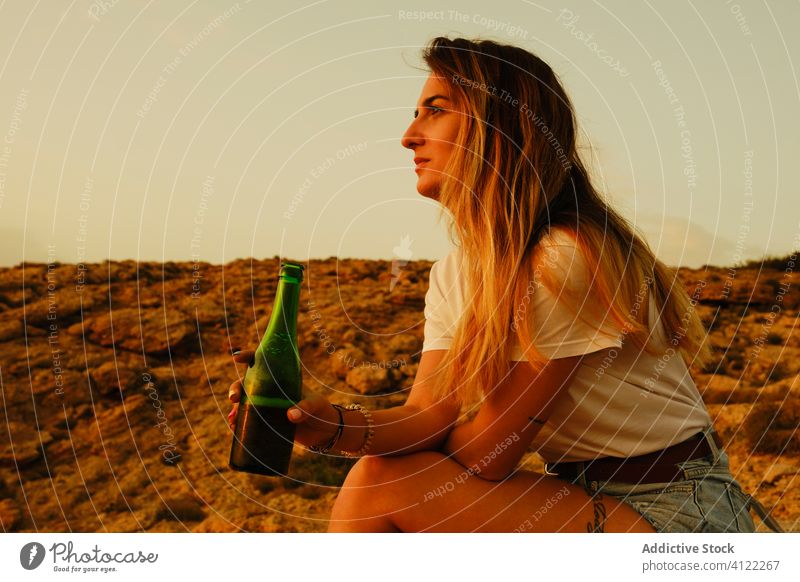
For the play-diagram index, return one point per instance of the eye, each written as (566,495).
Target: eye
(432,108)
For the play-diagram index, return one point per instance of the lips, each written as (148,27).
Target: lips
(419,162)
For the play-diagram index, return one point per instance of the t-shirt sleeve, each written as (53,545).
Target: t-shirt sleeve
(439,321)
(556,330)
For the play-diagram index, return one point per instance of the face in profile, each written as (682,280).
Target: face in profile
(431,135)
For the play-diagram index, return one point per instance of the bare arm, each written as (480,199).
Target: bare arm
(420,424)
(492,443)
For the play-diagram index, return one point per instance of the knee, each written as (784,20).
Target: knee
(386,471)
(370,471)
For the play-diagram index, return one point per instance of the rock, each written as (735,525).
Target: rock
(45,438)
(131,293)
(10,515)
(111,378)
(154,330)
(62,451)
(27,445)
(110,271)
(23,455)
(778,470)
(76,413)
(216,524)
(123,522)
(398,351)
(35,331)
(410,370)
(118,418)
(396,377)
(70,419)
(366,380)
(412,300)
(204,311)
(184,507)
(11,329)
(345,360)
(14,295)
(64,305)
(261,483)
(292,513)
(404,343)
(349,335)
(76,329)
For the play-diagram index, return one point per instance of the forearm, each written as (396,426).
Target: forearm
(487,448)
(397,431)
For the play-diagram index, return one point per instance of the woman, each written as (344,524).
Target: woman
(544,273)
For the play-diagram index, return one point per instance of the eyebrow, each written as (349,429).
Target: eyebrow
(430,100)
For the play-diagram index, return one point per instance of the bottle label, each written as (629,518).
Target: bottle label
(257,400)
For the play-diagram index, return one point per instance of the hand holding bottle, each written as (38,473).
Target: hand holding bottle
(315,417)
(235,391)
(263,436)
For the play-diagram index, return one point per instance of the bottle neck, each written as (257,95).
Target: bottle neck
(284,313)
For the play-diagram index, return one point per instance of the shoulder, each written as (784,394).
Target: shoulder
(447,271)
(559,258)
(443,301)
(445,274)
(448,263)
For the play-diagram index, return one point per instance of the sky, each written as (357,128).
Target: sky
(211,131)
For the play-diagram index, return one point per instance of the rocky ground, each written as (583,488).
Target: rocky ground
(114,382)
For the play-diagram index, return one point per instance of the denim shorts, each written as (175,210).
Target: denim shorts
(707,499)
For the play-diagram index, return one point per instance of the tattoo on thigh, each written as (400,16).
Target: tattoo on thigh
(599,515)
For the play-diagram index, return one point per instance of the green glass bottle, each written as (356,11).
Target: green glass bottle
(263,439)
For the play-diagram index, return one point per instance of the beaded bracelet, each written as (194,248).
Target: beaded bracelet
(335,438)
(370,431)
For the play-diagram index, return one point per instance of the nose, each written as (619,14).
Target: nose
(412,137)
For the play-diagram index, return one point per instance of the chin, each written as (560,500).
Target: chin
(432,195)
(428,190)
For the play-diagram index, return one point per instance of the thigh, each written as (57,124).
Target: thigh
(431,492)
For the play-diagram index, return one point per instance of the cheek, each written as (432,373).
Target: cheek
(448,146)
(445,152)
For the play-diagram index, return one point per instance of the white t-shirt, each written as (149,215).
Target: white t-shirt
(622,401)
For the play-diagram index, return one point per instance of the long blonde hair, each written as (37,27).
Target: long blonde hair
(515,172)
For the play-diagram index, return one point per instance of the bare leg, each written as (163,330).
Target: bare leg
(428,491)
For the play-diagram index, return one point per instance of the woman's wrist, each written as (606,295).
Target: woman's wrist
(333,439)
(355,431)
